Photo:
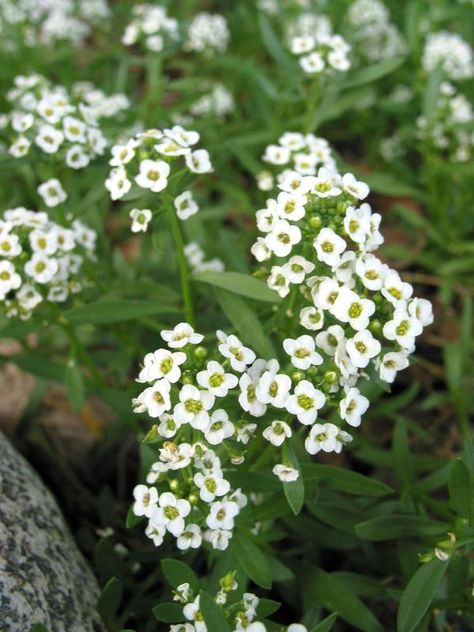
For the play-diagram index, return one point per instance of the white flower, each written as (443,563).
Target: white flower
(146,500)
(403,328)
(362,348)
(231,347)
(185,205)
(168,426)
(301,352)
(76,157)
(353,406)
(140,217)
(199,161)
(273,388)
(156,533)
(371,272)
(312,63)
(122,154)
(421,310)
(9,279)
(301,44)
(182,335)
(276,155)
(357,223)
(170,513)
(282,237)
(290,206)
(285,473)
(350,308)
(297,627)
(391,363)
(74,129)
(190,538)
(219,428)
(156,398)
(218,538)
(325,184)
(117,183)
(44,241)
(211,486)
(52,192)
(193,407)
(49,139)
(305,402)
(322,437)
(222,514)
(19,147)
(277,432)
(297,268)
(329,246)
(216,380)
(330,339)
(355,188)
(175,456)
(260,250)
(279,280)
(311,318)
(162,364)
(9,245)
(395,290)
(153,175)
(248,399)
(41,268)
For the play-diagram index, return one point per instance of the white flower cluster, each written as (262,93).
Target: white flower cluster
(151,27)
(303,153)
(241,615)
(40,260)
(450,52)
(450,130)
(375,36)
(208,33)
(146,160)
(365,315)
(45,22)
(195,256)
(218,101)
(46,117)
(321,53)
(100,104)
(310,25)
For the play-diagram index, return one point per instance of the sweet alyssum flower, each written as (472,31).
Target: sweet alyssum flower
(151,27)
(207,33)
(321,53)
(40,261)
(195,256)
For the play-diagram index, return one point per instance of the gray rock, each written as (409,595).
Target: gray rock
(43,576)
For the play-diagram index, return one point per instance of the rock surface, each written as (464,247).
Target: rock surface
(43,576)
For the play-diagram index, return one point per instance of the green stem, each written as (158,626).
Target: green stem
(182,263)
(311,107)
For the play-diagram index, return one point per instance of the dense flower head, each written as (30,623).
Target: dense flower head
(37,23)
(317,250)
(217,101)
(294,152)
(241,611)
(151,27)
(208,33)
(196,258)
(150,159)
(321,53)
(449,129)
(40,261)
(449,52)
(47,118)
(375,37)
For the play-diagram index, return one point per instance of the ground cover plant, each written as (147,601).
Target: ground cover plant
(236,255)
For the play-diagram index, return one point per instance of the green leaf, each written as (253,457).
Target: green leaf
(397,526)
(132,519)
(74,381)
(168,612)
(212,613)
(239,283)
(266,607)
(372,73)
(177,572)
(246,323)
(332,593)
(41,366)
(104,312)
(273,43)
(460,489)
(384,183)
(109,600)
(326,624)
(152,436)
(419,594)
(401,453)
(294,491)
(345,480)
(39,627)
(253,562)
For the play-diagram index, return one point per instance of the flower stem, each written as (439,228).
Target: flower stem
(182,263)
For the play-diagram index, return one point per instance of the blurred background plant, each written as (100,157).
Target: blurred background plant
(387,531)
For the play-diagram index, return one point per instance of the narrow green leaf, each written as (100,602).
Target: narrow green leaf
(401,453)
(212,613)
(394,527)
(109,600)
(389,185)
(332,593)
(373,73)
(460,488)
(326,624)
(266,607)
(253,562)
(105,312)
(273,43)
(294,491)
(177,573)
(74,381)
(246,323)
(239,283)
(152,436)
(168,612)
(345,480)
(419,594)
(41,366)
